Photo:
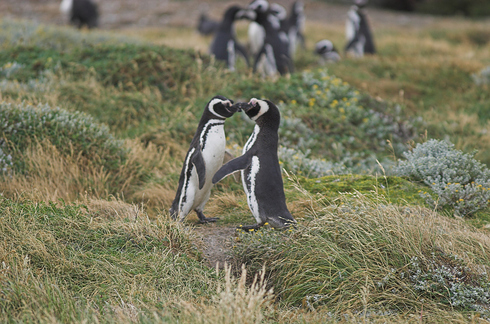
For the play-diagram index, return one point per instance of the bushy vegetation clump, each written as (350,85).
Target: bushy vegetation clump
(456,178)
(365,255)
(22,124)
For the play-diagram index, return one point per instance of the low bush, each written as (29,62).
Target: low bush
(455,178)
(22,124)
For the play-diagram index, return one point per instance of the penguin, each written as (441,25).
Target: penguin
(260,170)
(81,12)
(326,50)
(275,44)
(294,26)
(357,31)
(224,45)
(206,26)
(204,158)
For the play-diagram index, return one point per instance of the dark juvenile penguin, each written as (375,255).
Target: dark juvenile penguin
(359,38)
(81,12)
(275,46)
(204,158)
(261,173)
(327,52)
(224,45)
(206,26)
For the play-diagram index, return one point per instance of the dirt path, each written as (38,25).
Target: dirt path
(216,243)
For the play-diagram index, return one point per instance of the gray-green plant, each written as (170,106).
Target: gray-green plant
(456,179)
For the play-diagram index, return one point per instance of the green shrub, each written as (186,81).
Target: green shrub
(457,179)
(22,124)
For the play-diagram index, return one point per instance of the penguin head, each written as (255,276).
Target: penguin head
(298,7)
(259,110)
(221,107)
(361,3)
(259,5)
(324,46)
(233,13)
(279,11)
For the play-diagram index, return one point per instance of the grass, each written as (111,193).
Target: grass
(84,232)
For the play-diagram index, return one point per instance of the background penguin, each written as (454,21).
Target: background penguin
(81,12)
(206,26)
(275,46)
(204,158)
(357,31)
(261,174)
(326,51)
(224,45)
(294,26)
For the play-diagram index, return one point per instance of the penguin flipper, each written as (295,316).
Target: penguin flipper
(239,163)
(198,161)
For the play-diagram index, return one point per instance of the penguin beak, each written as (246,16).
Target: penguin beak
(239,106)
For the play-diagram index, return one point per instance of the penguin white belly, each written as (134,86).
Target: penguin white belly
(213,154)
(256,36)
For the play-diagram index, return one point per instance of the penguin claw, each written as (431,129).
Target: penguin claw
(206,220)
(249,228)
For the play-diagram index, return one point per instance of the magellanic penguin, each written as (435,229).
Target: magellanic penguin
(327,52)
(261,173)
(275,45)
(224,46)
(204,158)
(294,26)
(81,12)
(358,34)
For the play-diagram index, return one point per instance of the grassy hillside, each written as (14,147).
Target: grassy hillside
(94,128)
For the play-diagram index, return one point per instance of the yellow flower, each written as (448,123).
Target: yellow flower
(318,92)
(311,102)
(266,223)
(365,120)
(343,117)
(344,99)
(341,110)
(251,230)
(293,102)
(315,86)
(461,199)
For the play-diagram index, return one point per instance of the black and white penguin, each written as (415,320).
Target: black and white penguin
(81,12)
(204,158)
(327,51)
(359,38)
(261,173)
(275,46)
(294,26)
(207,26)
(224,46)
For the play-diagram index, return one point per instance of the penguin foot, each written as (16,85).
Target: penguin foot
(203,219)
(249,228)
(208,220)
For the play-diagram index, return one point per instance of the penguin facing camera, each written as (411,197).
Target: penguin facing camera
(260,170)
(204,158)
(224,46)
(81,12)
(327,52)
(358,33)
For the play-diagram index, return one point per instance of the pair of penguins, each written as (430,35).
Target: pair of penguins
(358,35)
(259,164)
(273,38)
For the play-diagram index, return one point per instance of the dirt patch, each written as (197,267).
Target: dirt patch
(216,243)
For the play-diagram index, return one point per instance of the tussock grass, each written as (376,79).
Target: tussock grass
(68,263)
(359,256)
